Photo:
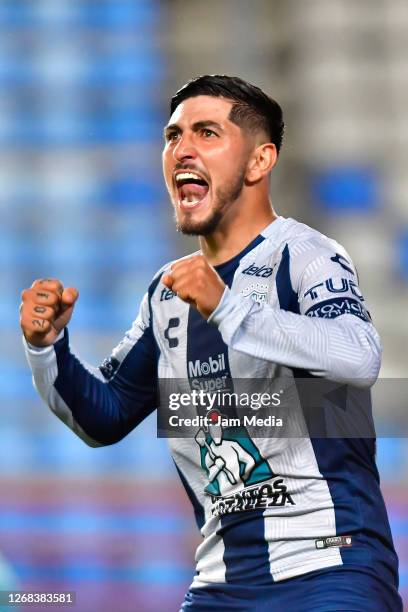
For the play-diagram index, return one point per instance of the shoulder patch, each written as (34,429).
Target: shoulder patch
(333,308)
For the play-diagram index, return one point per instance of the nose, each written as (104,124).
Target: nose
(184,149)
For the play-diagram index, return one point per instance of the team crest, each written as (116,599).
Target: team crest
(256,291)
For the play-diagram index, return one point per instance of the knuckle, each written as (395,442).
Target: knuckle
(50,284)
(54,284)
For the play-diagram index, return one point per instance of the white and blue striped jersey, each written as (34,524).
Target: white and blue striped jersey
(292,303)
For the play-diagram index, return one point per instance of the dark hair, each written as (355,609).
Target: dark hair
(252,109)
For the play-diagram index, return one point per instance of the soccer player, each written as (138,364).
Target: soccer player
(305,527)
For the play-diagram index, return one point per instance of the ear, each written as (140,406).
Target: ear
(261,162)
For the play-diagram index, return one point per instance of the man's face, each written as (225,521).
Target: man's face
(204,163)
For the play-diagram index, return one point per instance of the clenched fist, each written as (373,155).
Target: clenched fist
(45,310)
(196,282)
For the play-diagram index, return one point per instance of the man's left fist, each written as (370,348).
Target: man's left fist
(196,282)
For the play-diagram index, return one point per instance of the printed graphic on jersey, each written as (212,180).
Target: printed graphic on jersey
(256,291)
(260,271)
(172,340)
(109,367)
(336,541)
(166,294)
(268,495)
(230,460)
(234,465)
(342,285)
(214,365)
(342,261)
(330,309)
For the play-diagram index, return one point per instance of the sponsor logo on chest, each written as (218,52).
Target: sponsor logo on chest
(205,368)
(259,271)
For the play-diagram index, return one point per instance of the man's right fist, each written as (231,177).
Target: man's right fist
(45,310)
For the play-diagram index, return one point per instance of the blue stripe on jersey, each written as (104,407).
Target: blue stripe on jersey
(288,298)
(348,466)
(246,551)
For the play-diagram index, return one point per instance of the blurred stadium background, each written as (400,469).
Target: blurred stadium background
(84,95)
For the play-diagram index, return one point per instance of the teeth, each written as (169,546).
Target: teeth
(184,176)
(190,202)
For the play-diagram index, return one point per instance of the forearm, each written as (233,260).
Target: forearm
(345,349)
(98,411)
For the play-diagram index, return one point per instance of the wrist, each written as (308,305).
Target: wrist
(34,348)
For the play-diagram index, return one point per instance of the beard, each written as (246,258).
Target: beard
(223,197)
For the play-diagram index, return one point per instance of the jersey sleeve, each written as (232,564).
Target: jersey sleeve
(101,405)
(328,285)
(327,331)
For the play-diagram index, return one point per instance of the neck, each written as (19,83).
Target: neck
(234,234)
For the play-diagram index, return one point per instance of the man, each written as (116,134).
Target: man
(315,534)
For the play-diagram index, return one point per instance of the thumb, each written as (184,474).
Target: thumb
(69,297)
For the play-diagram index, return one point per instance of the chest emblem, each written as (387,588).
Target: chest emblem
(239,478)
(256,291)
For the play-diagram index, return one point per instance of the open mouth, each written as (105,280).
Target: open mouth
(191,188)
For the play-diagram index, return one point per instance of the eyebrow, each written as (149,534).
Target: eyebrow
(198,125)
